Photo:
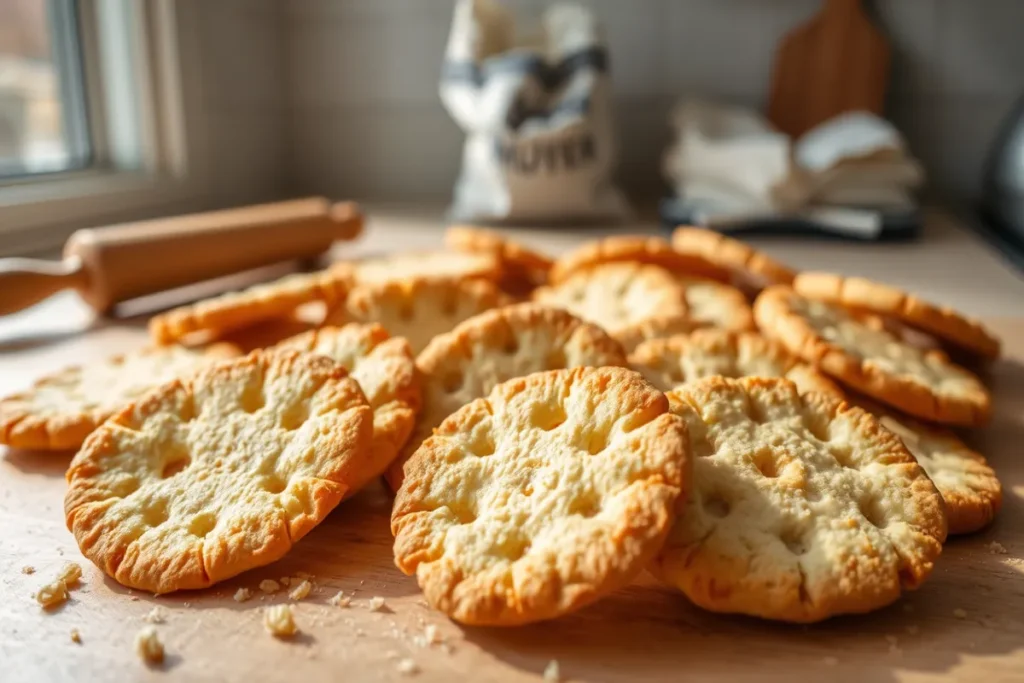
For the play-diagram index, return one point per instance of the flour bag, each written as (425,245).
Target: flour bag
(537,116)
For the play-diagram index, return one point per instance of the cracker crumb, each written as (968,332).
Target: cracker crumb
(242,594)
(960,613)
(996,548)
(830,661)
(28,569)
(285,581)
(300,591)
(134,598)
(52,594)
(422,603)
(269,586)
(279,621)
(552,672)
(448,649)
(70,574)
(76,637)
(157,615)
(377,604)
(340,600)
(148,646)
(913,629)
(431,634)
(407,667)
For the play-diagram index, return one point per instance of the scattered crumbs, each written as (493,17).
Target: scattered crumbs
(52,594)
(76,637)
(448,649)
(300,591)
(285,581)
(830,661)
(269,586)
(431,634)
(377,604)
(362,582)
(552,672)
(186,604)
(913,629)
(960,613)
(306,576)
(996,548)
(148,646)
(60,551)
(340,600)
(279,621)
(28,569)
(157,615)
(70,574)
(242,594)
(422,603)
(407,667)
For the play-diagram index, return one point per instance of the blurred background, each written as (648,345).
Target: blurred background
(201,104)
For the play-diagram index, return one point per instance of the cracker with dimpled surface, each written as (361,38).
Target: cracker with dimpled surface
(671,362)
(385,368)
(60,410)
(208,477)
(548,494)
(496,346)
(803,507)
(859,351)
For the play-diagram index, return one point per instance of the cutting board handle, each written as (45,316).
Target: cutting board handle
(26,281)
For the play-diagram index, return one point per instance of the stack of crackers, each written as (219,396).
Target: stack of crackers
(767,442)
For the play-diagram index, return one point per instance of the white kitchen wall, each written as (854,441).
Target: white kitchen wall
(363,119)
(241,50)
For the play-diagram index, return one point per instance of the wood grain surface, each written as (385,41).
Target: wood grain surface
(835,63)
(965,624)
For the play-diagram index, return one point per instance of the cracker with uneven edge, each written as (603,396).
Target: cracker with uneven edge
(859,351)
(518,261)
(803,507)
(418,310)
(942,322)
(548,494)
(235,310)
(714,304)
(969,486)
(205,478)
(60,410)
(653,251)
(674,361)
(631,301)
(413,265)
(749,266)
(385,368)
(486,350)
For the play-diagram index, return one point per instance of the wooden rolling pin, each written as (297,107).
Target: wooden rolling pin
(121,262)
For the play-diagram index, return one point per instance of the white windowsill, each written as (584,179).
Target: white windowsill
(41,215)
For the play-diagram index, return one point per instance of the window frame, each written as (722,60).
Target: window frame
(155,95)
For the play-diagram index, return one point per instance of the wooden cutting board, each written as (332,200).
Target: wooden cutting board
(643,632)
(835,63)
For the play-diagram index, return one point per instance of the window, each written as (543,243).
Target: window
(43,122)
(101,116)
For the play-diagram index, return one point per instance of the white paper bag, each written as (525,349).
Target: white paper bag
(539,142)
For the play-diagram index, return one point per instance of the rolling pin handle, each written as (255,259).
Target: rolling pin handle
(24,282)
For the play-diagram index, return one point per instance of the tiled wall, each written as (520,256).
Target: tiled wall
(363,117)
(241,56)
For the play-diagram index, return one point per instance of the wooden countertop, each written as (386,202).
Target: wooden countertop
(643,632)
